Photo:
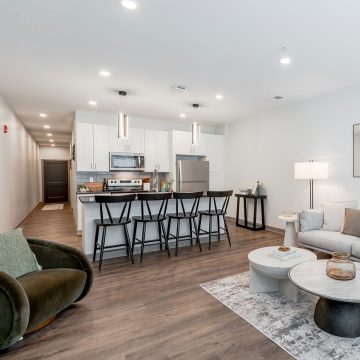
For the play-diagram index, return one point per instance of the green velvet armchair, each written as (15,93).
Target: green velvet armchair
(32,299)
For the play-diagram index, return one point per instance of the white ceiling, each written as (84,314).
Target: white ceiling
(51,53)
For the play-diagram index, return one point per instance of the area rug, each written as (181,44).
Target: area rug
(53,207)
(291,326)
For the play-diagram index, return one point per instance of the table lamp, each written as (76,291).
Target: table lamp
(311,170)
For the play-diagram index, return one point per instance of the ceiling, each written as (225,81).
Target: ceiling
(51,54)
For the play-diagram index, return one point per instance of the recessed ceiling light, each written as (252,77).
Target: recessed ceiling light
(43,115)
(52,144)
(219,96)
(48,134)
(285,60)
(92,102)
(128,4)
(51,140)
(182,115)
(180,88)
(104,73)
(277,97)
(46,127)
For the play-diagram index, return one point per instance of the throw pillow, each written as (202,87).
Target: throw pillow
(311,220)
(351,222)
(334,214)
(16,257)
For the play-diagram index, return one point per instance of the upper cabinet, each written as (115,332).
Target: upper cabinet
(157,151)
(183,144)
(135,143)
(215,152)
(92,147)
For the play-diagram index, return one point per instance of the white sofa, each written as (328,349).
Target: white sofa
(311,235)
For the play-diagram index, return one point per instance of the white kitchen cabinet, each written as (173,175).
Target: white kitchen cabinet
(84,147)
(135,143)
(157,151)
(183,144)
(101,148)
(92,147)
(215,152)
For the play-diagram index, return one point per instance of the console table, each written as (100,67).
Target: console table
(245,225)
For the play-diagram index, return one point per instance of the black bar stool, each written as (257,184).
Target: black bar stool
(215,211)
(123,221)
(151,217)
(184,214)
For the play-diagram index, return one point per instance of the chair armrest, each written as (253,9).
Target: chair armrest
(14,311)
(52,255)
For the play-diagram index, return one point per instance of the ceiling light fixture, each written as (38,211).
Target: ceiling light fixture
(195,127)
(128,4)
(219,97)
(92,103)
(51,140)
(182,115)
(52,144)
(284,58)
(277,97)
(48,134)
(123,119)
(180,88)
(46,127)
(104,73)
(43,115)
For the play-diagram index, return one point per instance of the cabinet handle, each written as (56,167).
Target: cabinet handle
(95,166)
(91,165)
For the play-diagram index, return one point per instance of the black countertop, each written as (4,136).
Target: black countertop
(91,199)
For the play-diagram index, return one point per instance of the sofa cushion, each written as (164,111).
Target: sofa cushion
(16,257)
(328,240)
(334,214)
(351,222)
(356,249)
(51,291)
(311,220)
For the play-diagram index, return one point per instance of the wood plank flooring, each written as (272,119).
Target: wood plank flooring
(156,310)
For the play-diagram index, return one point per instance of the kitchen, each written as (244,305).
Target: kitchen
(153,149)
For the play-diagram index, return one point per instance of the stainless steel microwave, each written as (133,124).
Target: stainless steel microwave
(127,162)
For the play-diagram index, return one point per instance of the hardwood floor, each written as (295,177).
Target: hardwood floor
(156,310)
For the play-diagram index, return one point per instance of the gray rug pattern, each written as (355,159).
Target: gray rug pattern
(291,326)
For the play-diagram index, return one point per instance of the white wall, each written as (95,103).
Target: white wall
(357,150)
(19,170)
(54,153)
(266,146)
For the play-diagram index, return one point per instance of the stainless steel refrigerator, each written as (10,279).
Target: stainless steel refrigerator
(192,175)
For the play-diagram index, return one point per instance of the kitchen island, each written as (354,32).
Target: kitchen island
(91,211)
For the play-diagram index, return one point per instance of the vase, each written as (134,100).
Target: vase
(340,267)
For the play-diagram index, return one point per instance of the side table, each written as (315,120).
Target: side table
(290,231)
(245,225)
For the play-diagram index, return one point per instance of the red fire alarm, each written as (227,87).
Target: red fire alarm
(6,129)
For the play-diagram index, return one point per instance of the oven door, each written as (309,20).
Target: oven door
(127,162)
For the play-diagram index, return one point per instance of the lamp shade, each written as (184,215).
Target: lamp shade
(311,170)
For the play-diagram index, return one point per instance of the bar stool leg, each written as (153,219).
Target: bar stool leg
(191,232)
(96,241)
(159,231)
(143,241)
(227,230)
(210,229)
(177,236)
(102,247)
(128,246)
(218,227)
(198,232)
(165,238)
(134,237)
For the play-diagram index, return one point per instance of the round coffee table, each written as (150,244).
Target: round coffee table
(271,275)
(338,309)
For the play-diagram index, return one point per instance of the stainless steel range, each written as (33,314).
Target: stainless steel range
(124,185)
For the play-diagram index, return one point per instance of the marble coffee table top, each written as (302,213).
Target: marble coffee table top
(311,277)
(261,257)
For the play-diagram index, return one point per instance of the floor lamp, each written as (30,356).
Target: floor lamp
(311,170)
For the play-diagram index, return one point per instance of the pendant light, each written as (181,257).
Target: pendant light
(123,119)
(195,128)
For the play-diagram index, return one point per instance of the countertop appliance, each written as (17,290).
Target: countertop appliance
(192,175)
(127,162)
(124,185)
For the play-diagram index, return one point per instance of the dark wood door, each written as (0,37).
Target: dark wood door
(56,181)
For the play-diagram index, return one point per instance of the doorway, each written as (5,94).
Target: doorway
(56,176)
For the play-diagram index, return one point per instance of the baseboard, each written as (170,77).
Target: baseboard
(28,215)
(268,228)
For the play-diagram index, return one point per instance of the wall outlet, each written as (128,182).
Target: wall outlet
(91,179)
